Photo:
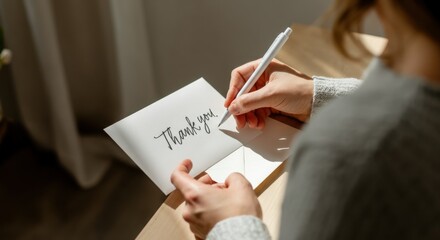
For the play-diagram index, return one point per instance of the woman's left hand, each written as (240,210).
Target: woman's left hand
(208,202)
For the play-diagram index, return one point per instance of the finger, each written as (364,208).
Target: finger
(230,96)
(237,180)
(261,116)
(236,83)
(251,101)
(206,179)
(187,213)
(239,76)
(240,120)
(186,184)
(268,111)
(251,119)
(235,92)
(262,81)
(219,185)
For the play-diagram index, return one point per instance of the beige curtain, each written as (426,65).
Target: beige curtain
(78,67)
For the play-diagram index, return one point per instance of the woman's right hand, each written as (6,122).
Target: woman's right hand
(280,89)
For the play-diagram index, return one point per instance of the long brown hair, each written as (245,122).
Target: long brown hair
(348,16)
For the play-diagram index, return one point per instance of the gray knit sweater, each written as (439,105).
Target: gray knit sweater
(367,166)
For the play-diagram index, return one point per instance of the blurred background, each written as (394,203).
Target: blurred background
(78,66)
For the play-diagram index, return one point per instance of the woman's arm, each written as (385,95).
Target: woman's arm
(281,90)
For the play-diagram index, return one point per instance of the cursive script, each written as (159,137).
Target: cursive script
(192,129)
(204,118)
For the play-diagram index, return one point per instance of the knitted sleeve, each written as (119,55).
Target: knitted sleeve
(326,89)
(240,227)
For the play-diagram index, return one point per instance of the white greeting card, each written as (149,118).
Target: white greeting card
(184,125)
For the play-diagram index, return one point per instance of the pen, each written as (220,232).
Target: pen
(267,58)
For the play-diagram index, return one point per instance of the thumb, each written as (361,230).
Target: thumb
(237,180)
(181,179)
(251,101)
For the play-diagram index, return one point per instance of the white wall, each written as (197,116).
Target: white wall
(208,38)
(189,39)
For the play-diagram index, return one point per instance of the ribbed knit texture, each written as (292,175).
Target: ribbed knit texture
(326,89)
(240,228)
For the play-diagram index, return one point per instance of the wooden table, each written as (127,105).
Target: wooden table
(309,50)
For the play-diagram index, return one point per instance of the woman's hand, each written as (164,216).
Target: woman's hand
(280,89)
(208,202)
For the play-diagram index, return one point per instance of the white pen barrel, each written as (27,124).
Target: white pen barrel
(265,61)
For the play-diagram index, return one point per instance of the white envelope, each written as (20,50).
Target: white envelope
(259,157)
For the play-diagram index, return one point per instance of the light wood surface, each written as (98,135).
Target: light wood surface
(310,51)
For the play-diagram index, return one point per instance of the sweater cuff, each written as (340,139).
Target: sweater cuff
(326,89)
(240,227)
